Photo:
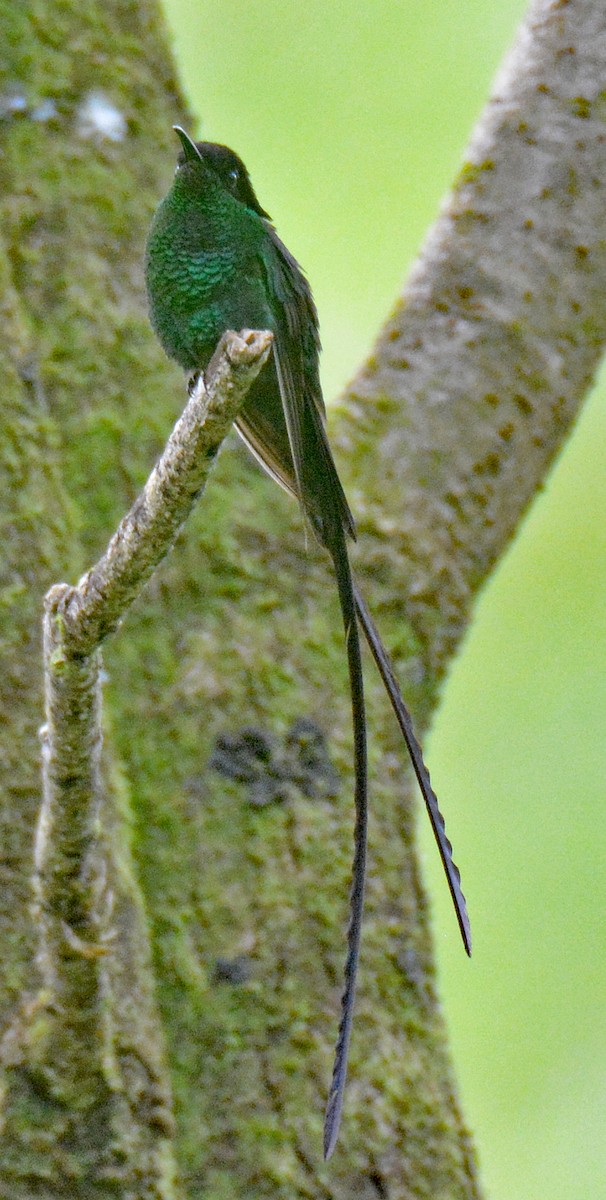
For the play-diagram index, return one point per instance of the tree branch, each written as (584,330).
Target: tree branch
(473,384)
(94,609)
(67,1039)
(76,622)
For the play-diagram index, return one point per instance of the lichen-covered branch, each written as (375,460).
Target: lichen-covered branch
(77,619)
(94,608)
(66,1037)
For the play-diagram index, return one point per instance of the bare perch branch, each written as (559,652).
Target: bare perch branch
(95,607)
(73,898)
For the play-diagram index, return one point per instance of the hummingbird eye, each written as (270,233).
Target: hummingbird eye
(234,175)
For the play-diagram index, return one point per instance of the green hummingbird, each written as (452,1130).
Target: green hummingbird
(215,262)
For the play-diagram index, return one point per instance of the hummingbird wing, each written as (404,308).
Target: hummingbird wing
(316,413)
(308,470)
(303,464)
(283,424)
(259,428)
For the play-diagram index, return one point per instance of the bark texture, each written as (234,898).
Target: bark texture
(227,834)
(476,379)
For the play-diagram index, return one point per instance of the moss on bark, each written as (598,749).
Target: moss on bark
(214,1033)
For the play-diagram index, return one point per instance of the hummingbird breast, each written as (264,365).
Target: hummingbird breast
(201,281)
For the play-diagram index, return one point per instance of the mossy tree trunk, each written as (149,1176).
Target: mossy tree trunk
(196,1058)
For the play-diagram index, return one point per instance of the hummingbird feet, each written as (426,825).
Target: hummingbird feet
(193,380)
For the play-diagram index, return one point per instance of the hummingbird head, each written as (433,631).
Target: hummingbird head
(226,165)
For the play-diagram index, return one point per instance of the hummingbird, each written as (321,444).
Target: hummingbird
(214,262)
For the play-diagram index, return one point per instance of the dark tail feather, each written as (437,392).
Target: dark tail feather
(431,801)
(338,550)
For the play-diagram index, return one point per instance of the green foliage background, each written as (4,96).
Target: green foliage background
(353,120)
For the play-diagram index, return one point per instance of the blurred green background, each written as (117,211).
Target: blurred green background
(352,120)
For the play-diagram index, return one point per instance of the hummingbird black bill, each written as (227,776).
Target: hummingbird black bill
(190,150)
